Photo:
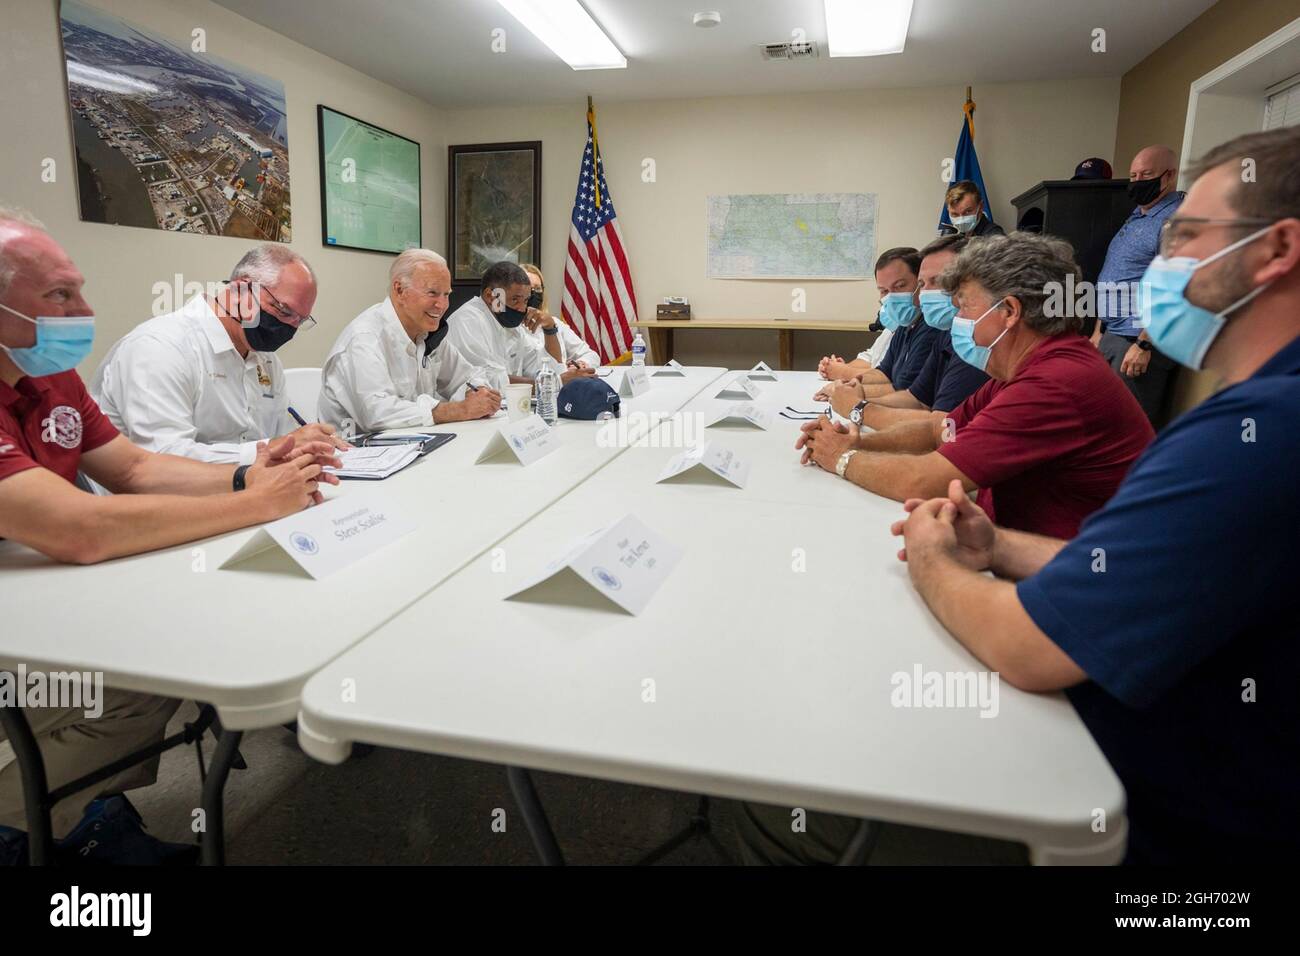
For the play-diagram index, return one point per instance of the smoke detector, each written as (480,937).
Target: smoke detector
(789,51)
(709,18)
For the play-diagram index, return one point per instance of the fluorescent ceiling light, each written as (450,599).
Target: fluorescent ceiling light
(866,27)
(570,32)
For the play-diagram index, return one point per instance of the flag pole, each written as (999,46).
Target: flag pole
(595,150)
(969,109)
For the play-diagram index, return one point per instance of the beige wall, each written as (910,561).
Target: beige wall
(122,263)
(1153,102)
(890,142)
(1153,95)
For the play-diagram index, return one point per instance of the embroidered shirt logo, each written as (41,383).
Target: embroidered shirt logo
(62,427)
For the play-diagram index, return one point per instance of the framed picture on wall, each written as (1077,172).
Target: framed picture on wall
(369,185)
(494,207)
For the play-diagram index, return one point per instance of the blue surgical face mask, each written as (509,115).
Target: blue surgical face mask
(1178,328)
(964,224)
(897,310)
(62,343)
(937,307)
(963,340)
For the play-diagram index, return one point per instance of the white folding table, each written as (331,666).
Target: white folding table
(773,648)
(245,639)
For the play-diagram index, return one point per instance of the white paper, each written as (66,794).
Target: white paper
(527,439)
(712,456)
(740,387)
(636,381)
(627,562)
(673,367)
(743,412)
(375,461)
(762,372)
(328,537)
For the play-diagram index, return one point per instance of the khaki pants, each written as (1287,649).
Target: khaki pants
(767,836)
(74,745)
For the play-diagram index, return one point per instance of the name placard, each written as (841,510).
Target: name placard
(626,562)
(744,413)
(636,381)
(325,538)
(762,372)
(527,439)
(673,368)
(712,457)
(741,387)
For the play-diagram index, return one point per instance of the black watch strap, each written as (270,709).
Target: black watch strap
(238,480)
(554,330)
(1145,345)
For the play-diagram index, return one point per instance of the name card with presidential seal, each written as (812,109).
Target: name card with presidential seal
(330,536)
(636,381)
(762,372)
(673,368)
(527,439)
(711,457)
(740,387)
(744,414)
(625,562)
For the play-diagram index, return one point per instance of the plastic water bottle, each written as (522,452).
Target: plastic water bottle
(638,350)
(547,394)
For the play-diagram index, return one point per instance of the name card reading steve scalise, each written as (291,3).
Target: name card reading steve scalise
(626,562)
(330,536)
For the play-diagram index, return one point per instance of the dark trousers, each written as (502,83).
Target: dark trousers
(1149,388)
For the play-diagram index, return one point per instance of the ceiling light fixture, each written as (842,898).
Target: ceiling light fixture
(854,28)
(570,32)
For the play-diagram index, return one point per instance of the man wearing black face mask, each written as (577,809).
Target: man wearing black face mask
(1153,174)
(204,381)
(487,330)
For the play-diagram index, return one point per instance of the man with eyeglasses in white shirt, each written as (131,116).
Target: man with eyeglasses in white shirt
(204,382)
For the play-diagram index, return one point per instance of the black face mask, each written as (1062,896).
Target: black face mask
(269,333)
(1144,191)
(511,318)
(535,299)
(434,338)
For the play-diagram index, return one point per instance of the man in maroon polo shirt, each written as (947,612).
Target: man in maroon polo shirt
(1047,441)
(50,429)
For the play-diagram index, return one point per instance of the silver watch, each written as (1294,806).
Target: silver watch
(855,416)
(842,466)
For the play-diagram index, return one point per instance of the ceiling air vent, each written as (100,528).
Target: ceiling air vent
(789,51)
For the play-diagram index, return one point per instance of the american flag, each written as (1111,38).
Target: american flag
(598,297)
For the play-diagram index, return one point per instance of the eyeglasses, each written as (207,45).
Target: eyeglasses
(287,315)
(1179,229)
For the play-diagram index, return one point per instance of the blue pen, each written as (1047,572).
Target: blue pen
(296,417)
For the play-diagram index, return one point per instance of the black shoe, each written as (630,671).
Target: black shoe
(13,847)
(112,834)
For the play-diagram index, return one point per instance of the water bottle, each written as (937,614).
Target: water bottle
(547,394)
(638,350)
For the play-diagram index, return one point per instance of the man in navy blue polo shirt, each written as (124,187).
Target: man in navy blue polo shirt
(1153,174)
(944,381)
(1171,620)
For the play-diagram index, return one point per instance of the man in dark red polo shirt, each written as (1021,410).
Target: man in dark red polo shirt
(1046,441)
(50,429)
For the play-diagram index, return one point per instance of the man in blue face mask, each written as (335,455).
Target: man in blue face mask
(51,430)
(1171,620)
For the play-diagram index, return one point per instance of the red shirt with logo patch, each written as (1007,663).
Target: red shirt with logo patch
(49,422)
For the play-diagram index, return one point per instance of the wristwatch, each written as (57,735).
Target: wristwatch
(238,480)
(553,330)
(842,466)
(855,416)
(1145,345)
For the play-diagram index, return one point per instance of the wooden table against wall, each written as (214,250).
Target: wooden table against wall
(661,331)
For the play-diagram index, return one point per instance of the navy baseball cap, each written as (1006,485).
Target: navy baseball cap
(1095,168)
(587,398)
